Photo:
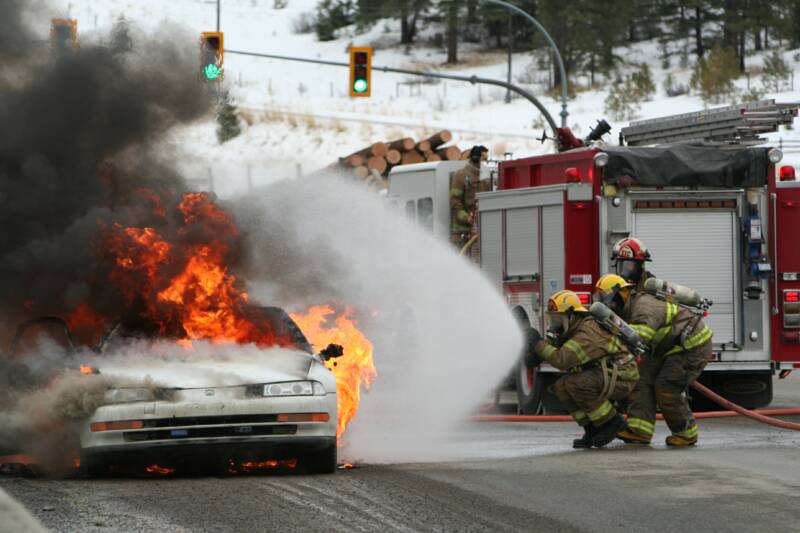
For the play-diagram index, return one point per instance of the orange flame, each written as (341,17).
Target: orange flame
(269,464)
(156,469)
(353,369)
(86,369)
(187,289)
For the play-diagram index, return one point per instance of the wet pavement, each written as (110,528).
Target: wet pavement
(743,476)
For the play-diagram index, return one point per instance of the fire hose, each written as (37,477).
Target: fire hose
(734,410)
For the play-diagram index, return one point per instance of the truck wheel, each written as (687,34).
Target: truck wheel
(550,402)
(322,462)
(529,389)
(751,390)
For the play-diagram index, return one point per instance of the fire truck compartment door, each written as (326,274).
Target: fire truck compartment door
(552,251)
(522,246)
(491,243)
(697,249)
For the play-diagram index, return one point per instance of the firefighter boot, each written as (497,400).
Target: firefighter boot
(589,431)
(631,436)
(679,441)
(608,431)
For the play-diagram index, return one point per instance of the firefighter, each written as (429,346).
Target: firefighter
(601,369)
(679,345)
(464,184)
(629,256)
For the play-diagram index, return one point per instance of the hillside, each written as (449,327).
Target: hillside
(298,116)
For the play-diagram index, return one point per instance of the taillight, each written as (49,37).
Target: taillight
(116,425)
(584,297)
(791,309)
(304,417)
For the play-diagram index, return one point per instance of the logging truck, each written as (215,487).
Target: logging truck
(700,189)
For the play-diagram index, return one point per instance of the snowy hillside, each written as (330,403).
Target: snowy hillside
(299,117)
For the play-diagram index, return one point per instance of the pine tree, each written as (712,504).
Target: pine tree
(227,120)
(713,76)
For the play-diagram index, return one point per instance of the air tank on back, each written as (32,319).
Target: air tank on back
(673,292)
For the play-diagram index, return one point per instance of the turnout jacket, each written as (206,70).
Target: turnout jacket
(587,342)
(665,327)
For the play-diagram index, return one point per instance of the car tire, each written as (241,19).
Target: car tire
(322,462)
(529,389)
(92,469)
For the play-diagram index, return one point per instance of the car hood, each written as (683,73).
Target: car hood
(269,366)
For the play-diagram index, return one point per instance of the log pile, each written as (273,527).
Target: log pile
(373,163)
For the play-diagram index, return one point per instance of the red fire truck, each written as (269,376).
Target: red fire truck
(709,203)
(699,189)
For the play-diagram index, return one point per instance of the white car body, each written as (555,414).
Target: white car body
(217,409)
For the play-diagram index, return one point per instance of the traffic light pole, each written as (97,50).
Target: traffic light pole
(436,75)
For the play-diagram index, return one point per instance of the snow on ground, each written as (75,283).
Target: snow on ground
(299,117)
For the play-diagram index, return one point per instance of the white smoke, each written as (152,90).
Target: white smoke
(443,336)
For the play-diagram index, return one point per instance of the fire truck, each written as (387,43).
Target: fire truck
(703,193)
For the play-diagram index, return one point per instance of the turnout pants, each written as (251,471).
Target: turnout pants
(663,380)
(580,395)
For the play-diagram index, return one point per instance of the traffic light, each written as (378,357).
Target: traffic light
(63,35)
(212,54)
(360,71)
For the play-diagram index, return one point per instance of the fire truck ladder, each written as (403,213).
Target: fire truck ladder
(735,124)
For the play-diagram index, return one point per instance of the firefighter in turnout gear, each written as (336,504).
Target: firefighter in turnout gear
(629,256)
(601,369)
(464,184)
(679,345)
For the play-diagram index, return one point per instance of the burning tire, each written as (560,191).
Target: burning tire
(322,462)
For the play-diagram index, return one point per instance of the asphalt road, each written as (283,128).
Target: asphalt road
(502,477)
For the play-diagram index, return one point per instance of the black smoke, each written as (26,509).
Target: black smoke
(80,145)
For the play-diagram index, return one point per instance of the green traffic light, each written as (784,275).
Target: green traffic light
(360,86)
(212,71)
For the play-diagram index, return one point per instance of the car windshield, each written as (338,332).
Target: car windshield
(273,319)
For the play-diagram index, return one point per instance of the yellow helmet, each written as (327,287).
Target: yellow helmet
(564,301)
(610,284)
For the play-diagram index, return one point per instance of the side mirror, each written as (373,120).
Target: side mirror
(333,350)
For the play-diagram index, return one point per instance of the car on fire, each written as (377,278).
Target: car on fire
(279,409)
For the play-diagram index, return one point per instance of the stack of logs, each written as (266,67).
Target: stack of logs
(374,162)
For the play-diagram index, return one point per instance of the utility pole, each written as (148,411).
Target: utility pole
(510,50)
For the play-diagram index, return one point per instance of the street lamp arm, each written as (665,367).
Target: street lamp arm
(469,79)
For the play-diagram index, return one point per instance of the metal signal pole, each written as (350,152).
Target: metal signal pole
(436,75)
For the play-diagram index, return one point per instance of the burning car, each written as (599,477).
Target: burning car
(225,412)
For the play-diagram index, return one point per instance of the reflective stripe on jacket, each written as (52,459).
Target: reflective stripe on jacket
(584,342)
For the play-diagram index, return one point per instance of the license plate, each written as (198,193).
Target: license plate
(179,433)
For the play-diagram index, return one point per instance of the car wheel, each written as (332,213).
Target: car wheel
(92,469)
(529,389)
(322,462)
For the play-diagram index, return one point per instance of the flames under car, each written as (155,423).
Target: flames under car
(281,405)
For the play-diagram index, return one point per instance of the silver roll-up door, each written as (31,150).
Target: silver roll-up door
(696,249)
(491,243)
(552,250)
(522,241)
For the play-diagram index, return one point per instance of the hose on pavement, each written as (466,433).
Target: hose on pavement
(734,410)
